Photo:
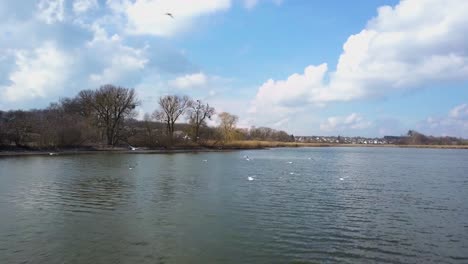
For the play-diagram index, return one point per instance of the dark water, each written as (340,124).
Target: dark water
(330,205)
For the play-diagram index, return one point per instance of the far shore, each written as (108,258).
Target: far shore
(230,146)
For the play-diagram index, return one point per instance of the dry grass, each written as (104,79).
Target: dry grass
(435,146)
(255,144)
(216,146)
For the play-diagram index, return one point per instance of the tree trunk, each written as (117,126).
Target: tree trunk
(197,131)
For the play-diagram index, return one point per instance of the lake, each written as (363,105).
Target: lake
(301,205)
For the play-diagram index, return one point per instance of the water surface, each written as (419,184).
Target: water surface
(308,205)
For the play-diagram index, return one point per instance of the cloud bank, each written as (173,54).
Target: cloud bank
(455,123)
(353,121)
(149,16)
(415,43)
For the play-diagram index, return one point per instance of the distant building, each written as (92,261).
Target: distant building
(392,139)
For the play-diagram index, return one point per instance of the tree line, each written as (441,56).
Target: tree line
(413,137)
(107,117)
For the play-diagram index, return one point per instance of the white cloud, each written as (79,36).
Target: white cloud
(278,100)
(51,11)
(127,62)
(291,91)
(89,49)
(81,6)
(455,123)
(353,121)
(38,73)
(189,81)
(149,17)
(250,4)
(415,43)
(200,85)
(117,6)
(120,61)
(459,112)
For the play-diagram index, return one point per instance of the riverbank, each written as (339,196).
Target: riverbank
(56,152)
(250,144)
(210,147)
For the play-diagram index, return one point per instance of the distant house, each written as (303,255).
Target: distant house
(392,139)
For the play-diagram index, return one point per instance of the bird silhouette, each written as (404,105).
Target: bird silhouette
(132,148)
(169,14)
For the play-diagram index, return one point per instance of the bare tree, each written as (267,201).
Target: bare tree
(228,125)
(110,106)
(171,108)
(197,114)
(18,127)
(3,131)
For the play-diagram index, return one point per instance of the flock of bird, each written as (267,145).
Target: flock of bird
(247,158)
(251,178)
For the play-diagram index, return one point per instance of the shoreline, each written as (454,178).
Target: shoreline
(227,148)
(63,152)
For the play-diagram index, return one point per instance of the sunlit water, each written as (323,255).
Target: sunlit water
(311,205)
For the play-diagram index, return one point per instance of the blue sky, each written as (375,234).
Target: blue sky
(368,68)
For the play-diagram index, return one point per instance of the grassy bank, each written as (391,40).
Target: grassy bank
(206,147)
(252,144)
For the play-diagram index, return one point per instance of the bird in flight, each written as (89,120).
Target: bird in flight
(170,14)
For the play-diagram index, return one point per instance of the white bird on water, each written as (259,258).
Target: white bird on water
(132,166)
(341,179)
(132,148)
(250,178)
(205,160)
(290,162)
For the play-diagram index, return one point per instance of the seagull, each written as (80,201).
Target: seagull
(291,173)
(132,148)
(250,178)
(341,179)
(132,166)
(170,14)
(290,162)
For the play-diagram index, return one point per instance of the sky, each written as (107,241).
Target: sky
(349,68)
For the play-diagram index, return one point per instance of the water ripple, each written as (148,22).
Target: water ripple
(392,206)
